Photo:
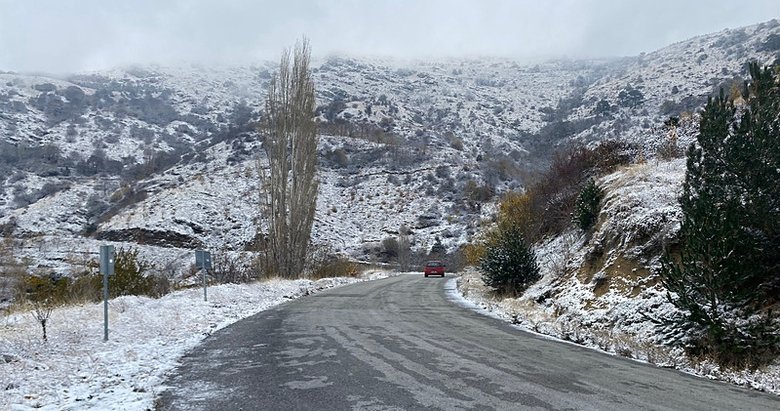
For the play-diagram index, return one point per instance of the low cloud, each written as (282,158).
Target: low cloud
(57,36)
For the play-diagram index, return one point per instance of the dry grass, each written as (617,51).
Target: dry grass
(470,285)
(556,320)
(617,274)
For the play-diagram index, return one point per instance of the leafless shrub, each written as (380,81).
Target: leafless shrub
(404,248)
(547,205)
(84,289)
(389,249)
(557,263)
(42,311)
(44,292)
(670,148)
(602,339)
(324,263)
(161,285)
(232,268)
(623,346)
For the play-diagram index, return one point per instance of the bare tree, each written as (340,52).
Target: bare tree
(290,142)
(42,311)
(404,248)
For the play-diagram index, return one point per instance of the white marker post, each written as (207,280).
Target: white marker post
(106,268)
(203,262)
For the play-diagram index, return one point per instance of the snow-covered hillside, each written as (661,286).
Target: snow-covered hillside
(167,157)
(603,290)
(674,81)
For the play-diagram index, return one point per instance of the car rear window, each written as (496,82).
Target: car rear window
(433,264)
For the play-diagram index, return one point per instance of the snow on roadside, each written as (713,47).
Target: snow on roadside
(469,292)
(75,369)
(597,288)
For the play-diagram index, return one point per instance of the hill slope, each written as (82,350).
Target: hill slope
(167,158)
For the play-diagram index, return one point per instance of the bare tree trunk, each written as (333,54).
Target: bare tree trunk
(290,141)
(404,248)
(42,311)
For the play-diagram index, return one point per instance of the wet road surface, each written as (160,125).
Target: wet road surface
(400,344)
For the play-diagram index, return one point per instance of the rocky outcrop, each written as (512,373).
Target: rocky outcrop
(151,237)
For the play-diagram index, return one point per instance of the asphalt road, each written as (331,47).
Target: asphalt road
(400,344)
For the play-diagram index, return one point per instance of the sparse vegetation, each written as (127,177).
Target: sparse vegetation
(44,293)
(324,263)
(546,206)
(670,149)
(132,276)
(234,268)
(630,97)
(478,193)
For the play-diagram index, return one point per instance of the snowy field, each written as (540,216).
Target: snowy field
(76,370)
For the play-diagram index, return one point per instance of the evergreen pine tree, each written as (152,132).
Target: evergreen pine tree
(438,250)
(586,209)
(728,271)
(509,265)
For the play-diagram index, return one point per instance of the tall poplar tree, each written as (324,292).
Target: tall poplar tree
(290,142)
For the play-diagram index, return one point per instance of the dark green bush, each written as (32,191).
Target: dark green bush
(586,209)
(130,278)
(437,249)
(725,281)
(51,289)
(508,264)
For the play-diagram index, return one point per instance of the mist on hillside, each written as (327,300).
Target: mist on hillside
(52,36)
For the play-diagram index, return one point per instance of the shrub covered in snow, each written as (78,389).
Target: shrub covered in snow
(509,264)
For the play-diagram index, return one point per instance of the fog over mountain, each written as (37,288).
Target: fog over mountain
(536,148)
(63,37)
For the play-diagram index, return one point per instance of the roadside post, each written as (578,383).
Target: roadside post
(203,262)
(106,268)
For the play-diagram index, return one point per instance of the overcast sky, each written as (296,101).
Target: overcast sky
(76,35)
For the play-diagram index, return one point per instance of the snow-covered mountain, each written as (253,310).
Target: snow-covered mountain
(167,158)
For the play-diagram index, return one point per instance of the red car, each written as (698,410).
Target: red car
(434,268)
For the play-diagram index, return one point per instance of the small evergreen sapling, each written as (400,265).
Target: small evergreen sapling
(508,265)
(586,210)
(438,250)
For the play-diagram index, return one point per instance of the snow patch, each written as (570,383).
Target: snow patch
(76,369)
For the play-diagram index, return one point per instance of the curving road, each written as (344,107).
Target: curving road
(399,344)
